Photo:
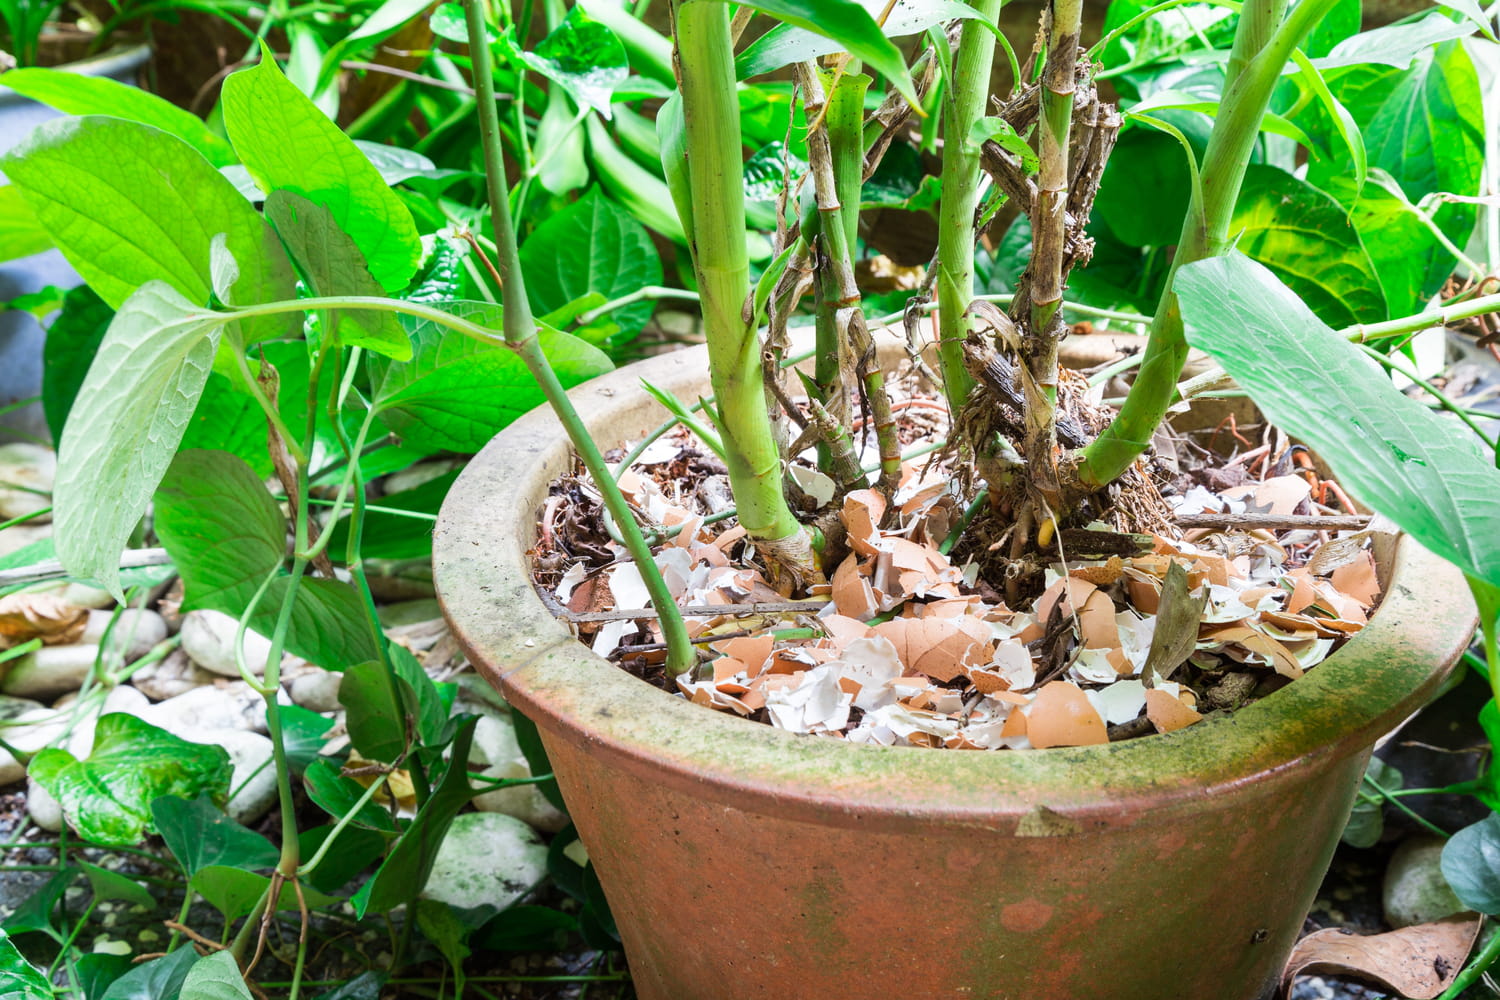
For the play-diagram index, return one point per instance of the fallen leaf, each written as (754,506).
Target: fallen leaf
(1177,617)
(1417,962)
(24,617)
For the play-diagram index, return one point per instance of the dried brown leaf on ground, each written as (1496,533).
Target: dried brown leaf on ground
(1416,962)
(24,617)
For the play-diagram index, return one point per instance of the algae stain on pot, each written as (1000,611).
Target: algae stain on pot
(823,899)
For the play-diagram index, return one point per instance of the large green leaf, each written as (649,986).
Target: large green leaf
(1400,245)
(395,536)
(107,796)
(387,19)
(457,392)
(1303,235)
(1471,864)
(1337,26)
(849,24)
(332,265)
(376,705)
(337,795)
(215,977)
(405,870)
(585,58)
(158,979)
(1395,44)
(286,142)
(199,834)
(20,234)
(129,416)
(72,341)
(1425,472)
(1423,126)
(75,94)
(19,979)
(227,535)
(234,891)
(786,44)
(1144,192)
(127,203)
(592,246)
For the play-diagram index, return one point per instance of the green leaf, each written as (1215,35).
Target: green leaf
(286,142)
(199,834)
(1425,472)
(107,796)
(1174,100)
(456,393)
(108,886)
(583,57)
(850,26)
(1002,132)
(397,165)
(305,734)
(1395,44)
(19,979)
(215,977)
(1146,160)
(158,979)
(97,971)
(560,141)
(442,927)
(1303,235)
(1425,127)
(1471,864)
(406,869)
(448,22)
(1367,821)
(75,94)
(591,246)
(530,741)
(1475,14)
(227,535)
(20,233)
(234,891)
(332,265)
(127,420)
(128,204)
(72,341)
(35,912)
(376,705)
(1343,121)
(336,795)
(527,928)
(365,986)
(1400,245)
(1338,25)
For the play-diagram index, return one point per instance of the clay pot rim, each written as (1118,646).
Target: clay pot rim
(482,576)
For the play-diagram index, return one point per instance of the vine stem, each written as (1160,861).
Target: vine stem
(521,336)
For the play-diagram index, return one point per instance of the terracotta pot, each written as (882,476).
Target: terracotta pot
(741,861)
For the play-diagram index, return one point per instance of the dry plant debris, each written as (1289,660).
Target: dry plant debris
(1417,962)
(903,647)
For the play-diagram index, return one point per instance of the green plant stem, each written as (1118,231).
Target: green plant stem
(1437,394)
(1363,333)
(710,104)
(312,863)
(521,337)
(1476,968)
(964,106)
(24,518)
(648,293)
(1263,43)
(64,951)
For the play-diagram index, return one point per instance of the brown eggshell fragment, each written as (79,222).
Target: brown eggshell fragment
(1167,713)
(862,512)
(843,630)
(1096,619)
(852,595)
(1062,716)
(939,648)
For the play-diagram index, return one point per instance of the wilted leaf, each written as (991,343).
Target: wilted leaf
(39,616)
(1177,619)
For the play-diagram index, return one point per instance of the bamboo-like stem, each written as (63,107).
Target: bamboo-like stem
(957,234)
(521,336)
(1049,225)
(1263,44)
(710,106)
(1363,333)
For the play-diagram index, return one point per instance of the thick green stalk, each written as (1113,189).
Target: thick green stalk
(967,92)
(521,337)
(710,104)
(1263,44)
(1049,226)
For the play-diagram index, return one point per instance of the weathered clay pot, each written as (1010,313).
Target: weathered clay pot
(741,861)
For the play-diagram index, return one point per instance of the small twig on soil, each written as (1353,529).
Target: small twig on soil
(699,611)
(620,652)
(197,938)
(1329,522)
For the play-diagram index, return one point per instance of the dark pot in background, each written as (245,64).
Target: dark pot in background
(741,861)
(21,336)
